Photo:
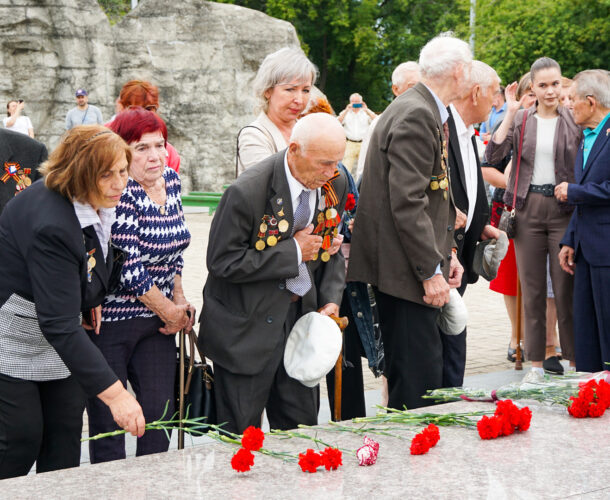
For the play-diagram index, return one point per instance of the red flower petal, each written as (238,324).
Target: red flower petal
(309,461)
(242,460)
(331,458)
(252,438)
(419,445)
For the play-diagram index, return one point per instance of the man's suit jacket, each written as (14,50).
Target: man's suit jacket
(403,228)
(43,289)
(21,149)
(466,240)
(590,222)
(245,300)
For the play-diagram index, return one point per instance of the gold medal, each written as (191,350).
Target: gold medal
(325,256)
(283,225)
(27,181)
(335,232)
(263,228)
(331,213)
(91,263)
(444,184)
(444,195)
(259,245)
(320,218)
(272,241)
(434,185)
(281,213)
(315,257)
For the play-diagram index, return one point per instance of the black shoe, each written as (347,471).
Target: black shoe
(511,354)
(552,365)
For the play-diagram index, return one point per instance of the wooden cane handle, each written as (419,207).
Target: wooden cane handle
(341,322)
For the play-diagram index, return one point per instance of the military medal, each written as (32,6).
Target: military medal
(90,264)
(325,257)
(328,219)
(283,225)
(271,241)
(259,245)
(263,228)
(281,213)
(20,175)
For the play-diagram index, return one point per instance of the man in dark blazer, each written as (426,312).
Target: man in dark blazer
(268,265)
(403,234)
(584,248)
(469,194)
(20,157)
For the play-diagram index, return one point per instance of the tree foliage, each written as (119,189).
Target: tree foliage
(511,34)
(356,44)
(115,9)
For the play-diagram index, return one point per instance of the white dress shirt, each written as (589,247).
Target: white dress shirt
(356,125)
(464,136)
(102,222)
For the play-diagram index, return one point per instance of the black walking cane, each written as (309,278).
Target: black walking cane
(181,389)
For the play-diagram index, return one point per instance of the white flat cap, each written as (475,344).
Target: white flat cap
(312,348)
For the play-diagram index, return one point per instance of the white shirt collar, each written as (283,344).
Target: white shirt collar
(460,126)
(101,221)
(296,188)
(442,109)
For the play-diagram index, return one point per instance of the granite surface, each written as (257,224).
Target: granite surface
(559,457)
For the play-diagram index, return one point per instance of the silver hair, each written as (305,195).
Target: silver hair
(594,82)
(315,126)
(399,75)
(282,66)
(442,54)
(483,75)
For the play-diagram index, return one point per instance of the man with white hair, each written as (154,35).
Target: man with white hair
(584,248)
(469,195)
(403,234)
(355,118)
(269,263)
(404,76)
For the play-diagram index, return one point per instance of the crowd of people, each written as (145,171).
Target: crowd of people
(382,218)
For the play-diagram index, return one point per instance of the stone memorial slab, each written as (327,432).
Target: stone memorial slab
(559,457)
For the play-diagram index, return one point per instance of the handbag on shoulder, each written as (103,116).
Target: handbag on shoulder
(508,221)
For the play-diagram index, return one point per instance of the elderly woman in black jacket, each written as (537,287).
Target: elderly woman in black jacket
(55,269)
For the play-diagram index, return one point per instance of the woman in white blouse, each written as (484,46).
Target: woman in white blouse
(282,86)
(547,147)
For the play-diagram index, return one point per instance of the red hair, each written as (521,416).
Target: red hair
(139,93)
(134,122)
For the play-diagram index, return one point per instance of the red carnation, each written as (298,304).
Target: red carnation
(525,417)
(596,410)
(372,443)
(350,203)
(252,438)
(509,410)
(587,393)
(506,427)
(603,393)
(578,408)
(242,460)
(419,445)
(489,427)
(309,461)
(432,434)
(331,458)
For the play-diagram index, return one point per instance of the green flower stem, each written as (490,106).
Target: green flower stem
(230,438)
(302,435)
(407,418)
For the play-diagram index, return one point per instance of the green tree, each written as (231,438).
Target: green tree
(512,34)
(356,44)
(115,9)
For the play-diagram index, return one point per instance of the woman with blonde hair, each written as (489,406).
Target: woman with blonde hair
(56,268)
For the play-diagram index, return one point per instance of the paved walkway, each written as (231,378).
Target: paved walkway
(488,324)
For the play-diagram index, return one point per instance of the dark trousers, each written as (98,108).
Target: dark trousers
(591,316)
(138,352)
(241,399)
(454,355)
(39,422)
(540,228)
(413,350)
(352,383)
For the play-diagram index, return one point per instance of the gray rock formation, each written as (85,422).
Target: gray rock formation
(202,56)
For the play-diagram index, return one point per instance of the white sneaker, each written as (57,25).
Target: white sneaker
(533,377)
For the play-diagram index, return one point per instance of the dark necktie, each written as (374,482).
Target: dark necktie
(300,284)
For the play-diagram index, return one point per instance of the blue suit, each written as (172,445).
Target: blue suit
(589,235)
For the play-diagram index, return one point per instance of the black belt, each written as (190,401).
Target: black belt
(543,189)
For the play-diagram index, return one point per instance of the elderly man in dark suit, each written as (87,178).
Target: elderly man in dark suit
(403,233)
(469,195)
(269,263)
(20,157)
(584,248)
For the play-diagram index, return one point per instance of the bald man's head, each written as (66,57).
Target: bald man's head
(317,145)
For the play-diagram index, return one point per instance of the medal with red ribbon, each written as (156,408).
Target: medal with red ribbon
(328,219)
(12,170)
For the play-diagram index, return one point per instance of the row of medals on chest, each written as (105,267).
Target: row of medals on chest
(441,181)
(271,231)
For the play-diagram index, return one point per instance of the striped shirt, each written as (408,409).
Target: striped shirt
(154,242)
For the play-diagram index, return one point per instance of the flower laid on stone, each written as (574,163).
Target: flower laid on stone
(507,419)
(252,438)
(367,454)
(592,401)
(242,460)
(425,440)
(330,459)
(553,390)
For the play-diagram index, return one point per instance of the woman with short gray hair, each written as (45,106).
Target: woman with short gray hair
(282,87)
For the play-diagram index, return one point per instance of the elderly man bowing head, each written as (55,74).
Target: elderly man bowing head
(269,261)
